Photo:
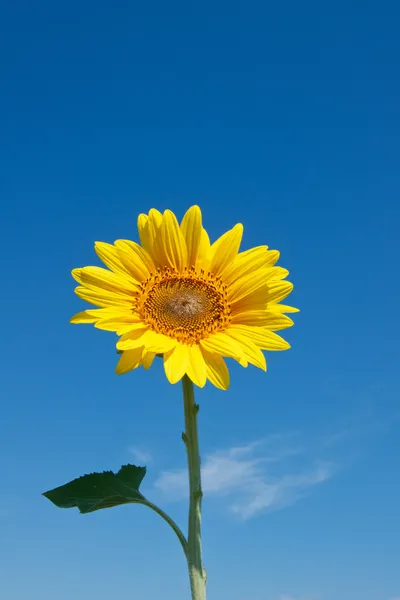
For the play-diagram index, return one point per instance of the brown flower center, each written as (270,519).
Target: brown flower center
(186,306)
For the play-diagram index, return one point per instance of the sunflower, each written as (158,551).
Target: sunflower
(192,302)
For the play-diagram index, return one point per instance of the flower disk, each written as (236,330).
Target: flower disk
(192,302)
(187,307)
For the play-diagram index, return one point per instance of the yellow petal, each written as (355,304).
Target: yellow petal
(103,298)
(82,317)
(203,256)
(263,338)
(130,359)
(244,286)
(243,307)
(278,321)
(243,316)
(175,362)
(220,343)
(282,308)
(147,359)
(139,251)
(278,290)
(252,352)
(216,369)
(255,280)
(171,245)
(158,342)
(98,279)
(196,368)
(272,257)
(109,319)
(132,260)
(123,329)
(269,319)
(225,249)
(109,255)
(276,273)
(142,229)
(153,225)
(257,298)
(148,226)
(133,339)
(120,324)
(150,340)
(191,230)
(245,263)
(110,311)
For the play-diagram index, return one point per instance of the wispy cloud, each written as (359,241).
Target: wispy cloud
(277,471)
(254,477)
(140,455)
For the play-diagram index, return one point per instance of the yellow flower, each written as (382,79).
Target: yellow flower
(191,301)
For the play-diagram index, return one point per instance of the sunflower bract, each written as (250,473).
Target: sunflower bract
(191,301)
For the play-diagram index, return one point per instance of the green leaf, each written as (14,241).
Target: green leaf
(100,490)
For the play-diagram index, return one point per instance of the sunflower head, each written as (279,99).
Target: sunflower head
(177,295)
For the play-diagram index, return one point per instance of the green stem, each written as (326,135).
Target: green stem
(170,522)
(190,437)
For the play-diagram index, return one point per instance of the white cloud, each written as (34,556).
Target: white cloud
(248,476)
(140,455)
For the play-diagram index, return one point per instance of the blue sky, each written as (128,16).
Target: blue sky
(282,116)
